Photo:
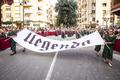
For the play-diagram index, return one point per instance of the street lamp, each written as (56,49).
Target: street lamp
(11,21)
(106,20)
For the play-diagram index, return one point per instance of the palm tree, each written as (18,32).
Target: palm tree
(67,14)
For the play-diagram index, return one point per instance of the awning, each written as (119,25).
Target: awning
(116,11)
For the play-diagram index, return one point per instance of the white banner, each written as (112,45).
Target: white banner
(37,43)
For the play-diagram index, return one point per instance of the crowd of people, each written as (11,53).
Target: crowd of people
(9,33)
(109,35)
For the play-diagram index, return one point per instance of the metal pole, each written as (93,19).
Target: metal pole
(11,16)
(107,19)
(23,13)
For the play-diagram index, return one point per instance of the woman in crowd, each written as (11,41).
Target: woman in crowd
(108,48)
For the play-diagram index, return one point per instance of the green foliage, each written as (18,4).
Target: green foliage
(67,12)
(118,23)
(7,22)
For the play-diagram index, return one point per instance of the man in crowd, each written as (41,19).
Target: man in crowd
(12,34)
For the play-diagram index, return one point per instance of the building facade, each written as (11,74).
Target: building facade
(95,12)
(29,13)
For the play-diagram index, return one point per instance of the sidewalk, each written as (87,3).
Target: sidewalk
(116,55)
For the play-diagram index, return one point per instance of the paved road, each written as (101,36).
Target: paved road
(82,64)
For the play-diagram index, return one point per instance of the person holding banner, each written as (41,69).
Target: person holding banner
(12,34)
(2,34)
(98,47)
(77,33)
(108,47)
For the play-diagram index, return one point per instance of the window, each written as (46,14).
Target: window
(104,12)
(85,19)
(93,11)
(104,4)
(93,19)
(93,4)
(80,21)
(8,9)
(80,15)
(39,8)
(111,19)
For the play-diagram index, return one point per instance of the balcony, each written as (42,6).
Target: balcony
(27,11)
(27,4)
(27,18)
(8,12)
(40,12)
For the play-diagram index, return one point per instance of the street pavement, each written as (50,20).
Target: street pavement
(77,64)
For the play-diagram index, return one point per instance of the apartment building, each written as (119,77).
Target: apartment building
(29,13)
(95,12)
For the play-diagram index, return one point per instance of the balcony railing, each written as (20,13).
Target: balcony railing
(28,11)
(40,12)
(27,4)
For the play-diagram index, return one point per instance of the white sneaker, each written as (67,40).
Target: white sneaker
(98,54)
(110,64)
